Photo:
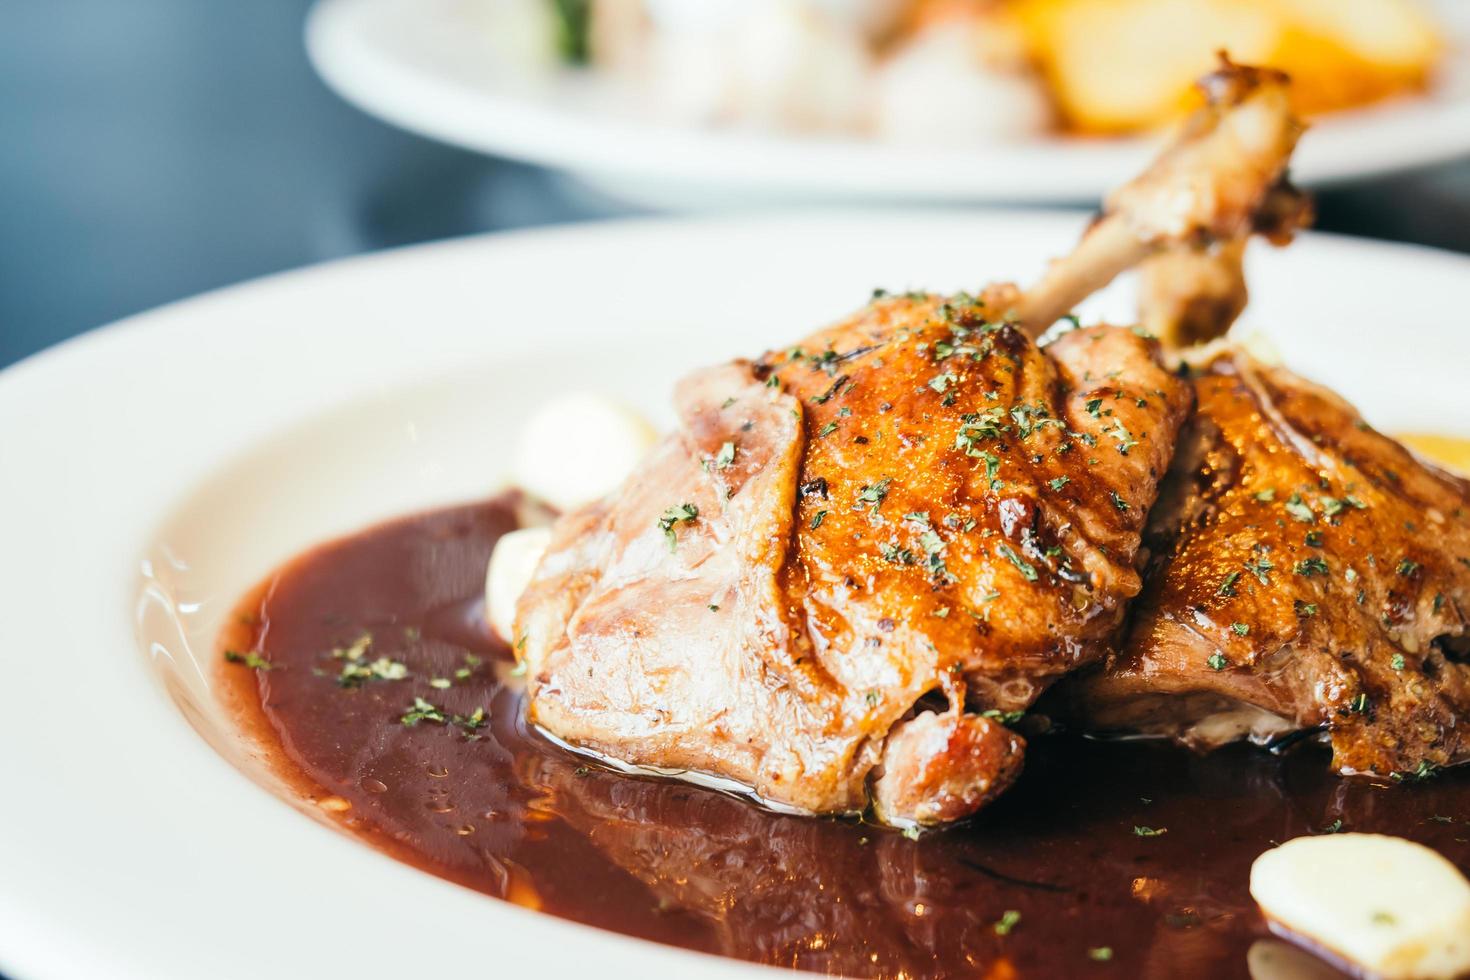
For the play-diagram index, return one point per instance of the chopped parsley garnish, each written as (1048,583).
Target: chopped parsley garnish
(476,719)
(940,382)
(1150,831)
(874,493)
(1407,568)
(1267,495)
(1240,629)
(1004,717)
(1359,704)
(933,546)
(1300,510)
(1094,406)
(1217,661)
(992,468)
(725,456)
(1119,502)
(817,519)
(355,673)
(356,650)
(1124,437)
(1029,418)
(1259,567)
(1396,661)
(1100,954)
(1310,566)
(1314,539)
(1008,920)
(976,427)
(826,430)
(1335,827)
(249,659)
(683,513)
(422,711)
(1059,482)
(897,555)
(1227,587)
(1028,571)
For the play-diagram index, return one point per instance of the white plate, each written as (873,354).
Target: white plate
(429,67)
(219,436)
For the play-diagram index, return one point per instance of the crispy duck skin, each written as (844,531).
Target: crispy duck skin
(1308,573)
(855,559)
(920,517)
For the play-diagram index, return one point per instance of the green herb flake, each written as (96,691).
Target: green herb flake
(941,382)
(1059,482)
(249,659)
(826,430)
(817,519)
(1004,717)
(681,514)
(1308,567)
(1240,629)
(725,456)
(1119,502)
(1007,922)
(1396,661)
(1407,568)
(874,493)
(1150,831)
(1217,661)
(1300,510)
(1227,587)
(422,711)
(1027,570)
(355,673)
(1100,954)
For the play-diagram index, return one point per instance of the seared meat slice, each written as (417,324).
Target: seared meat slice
(852,550)
(1308,573)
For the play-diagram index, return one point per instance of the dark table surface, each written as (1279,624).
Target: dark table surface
(157,148)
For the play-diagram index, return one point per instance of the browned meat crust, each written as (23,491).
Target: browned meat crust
(917,509)
(1309,572)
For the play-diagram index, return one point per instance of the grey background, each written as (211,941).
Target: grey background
(152,149)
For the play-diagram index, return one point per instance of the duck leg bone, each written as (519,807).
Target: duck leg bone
(1217,183)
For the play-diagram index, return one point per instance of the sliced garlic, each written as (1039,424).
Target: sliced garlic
(512,564)
(578,448)
(1394,908)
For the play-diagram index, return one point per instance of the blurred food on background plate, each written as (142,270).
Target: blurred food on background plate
(972,70)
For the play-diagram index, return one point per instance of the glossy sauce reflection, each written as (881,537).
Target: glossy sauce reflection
(1108,859)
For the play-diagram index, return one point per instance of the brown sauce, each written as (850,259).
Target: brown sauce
(1138,848)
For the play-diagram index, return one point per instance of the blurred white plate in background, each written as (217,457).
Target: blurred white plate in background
(222,435)
(429,66)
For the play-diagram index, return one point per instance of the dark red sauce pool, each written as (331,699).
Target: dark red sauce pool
(1120,859)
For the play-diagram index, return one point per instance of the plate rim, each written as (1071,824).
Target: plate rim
(627,157)
(45,945)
